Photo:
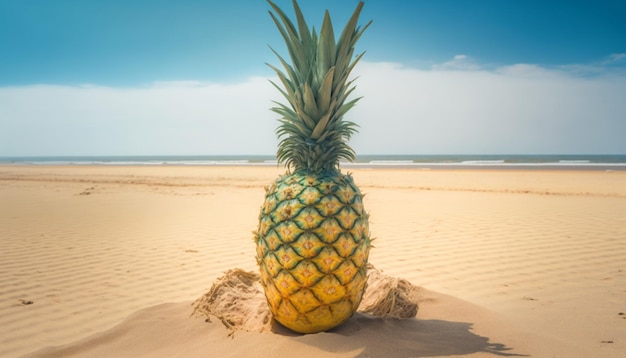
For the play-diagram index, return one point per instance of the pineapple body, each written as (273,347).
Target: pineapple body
(312,249)
(313,240)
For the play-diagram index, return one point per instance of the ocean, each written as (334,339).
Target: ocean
(444,161)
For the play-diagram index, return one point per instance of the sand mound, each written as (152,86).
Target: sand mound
(238,301)
(389,297)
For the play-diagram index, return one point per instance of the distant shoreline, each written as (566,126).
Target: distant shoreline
(348,166)
(547,167)
(613,162)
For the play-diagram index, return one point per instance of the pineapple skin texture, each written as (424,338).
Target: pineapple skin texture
(312,247)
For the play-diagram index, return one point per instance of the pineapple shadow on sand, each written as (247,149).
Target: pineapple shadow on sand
(385,324)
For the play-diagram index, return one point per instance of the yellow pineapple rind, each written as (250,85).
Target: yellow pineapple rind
(312,249)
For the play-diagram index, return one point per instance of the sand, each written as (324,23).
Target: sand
(105,261)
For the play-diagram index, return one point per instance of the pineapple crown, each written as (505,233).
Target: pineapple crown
(312,130)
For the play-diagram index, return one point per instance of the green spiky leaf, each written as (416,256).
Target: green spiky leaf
(312,130)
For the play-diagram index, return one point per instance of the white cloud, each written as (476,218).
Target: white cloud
(616,57)
(610,66)
(513,109)
(458,63)
(528,70)
(165,118)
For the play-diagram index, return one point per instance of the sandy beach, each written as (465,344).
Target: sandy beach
(105,261)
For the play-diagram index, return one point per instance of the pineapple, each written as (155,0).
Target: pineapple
(313,239)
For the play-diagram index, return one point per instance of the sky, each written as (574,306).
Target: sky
(182,77)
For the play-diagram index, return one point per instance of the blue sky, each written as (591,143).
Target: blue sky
(116,77)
